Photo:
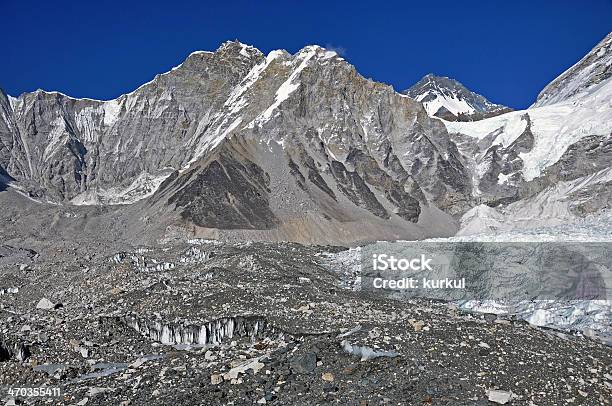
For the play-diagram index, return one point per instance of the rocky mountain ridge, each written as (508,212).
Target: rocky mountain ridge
(238,140)
(582,77)
(296,147)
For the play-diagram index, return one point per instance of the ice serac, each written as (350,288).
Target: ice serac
(446,98)
(210,333)
(583,77)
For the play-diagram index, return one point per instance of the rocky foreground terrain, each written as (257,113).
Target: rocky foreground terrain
(203,322)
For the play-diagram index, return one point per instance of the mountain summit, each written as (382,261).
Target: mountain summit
(449,99)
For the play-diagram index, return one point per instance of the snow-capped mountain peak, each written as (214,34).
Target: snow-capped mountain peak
(449,99)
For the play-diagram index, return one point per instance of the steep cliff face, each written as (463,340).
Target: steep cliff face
(239,140)
(12,152)
(319,143)
(118,151)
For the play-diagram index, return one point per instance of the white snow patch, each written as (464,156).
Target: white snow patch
(288,87)
(509,126)
(244,50)
(210,142)
(555,127)
(328,55)
(451,103)
(13,101)
(236,101)
(501,178)
(580,79)
(55,137)
(234,104)
(145,185)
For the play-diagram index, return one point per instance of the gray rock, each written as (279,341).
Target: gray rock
(216,379)
(45,304)
(499,396)
(304,364)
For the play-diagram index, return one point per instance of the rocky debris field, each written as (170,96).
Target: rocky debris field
(209,323)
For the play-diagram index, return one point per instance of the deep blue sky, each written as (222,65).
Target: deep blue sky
(506,50)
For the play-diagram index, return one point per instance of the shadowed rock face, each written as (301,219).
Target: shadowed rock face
(12,157)
(515,156)
(408,207)
(354,187)
(13,350)
(238,140)
(310,169)
(227,194)
(586,158)
(498,167)
(590,155)
(499,162)
(4,179)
